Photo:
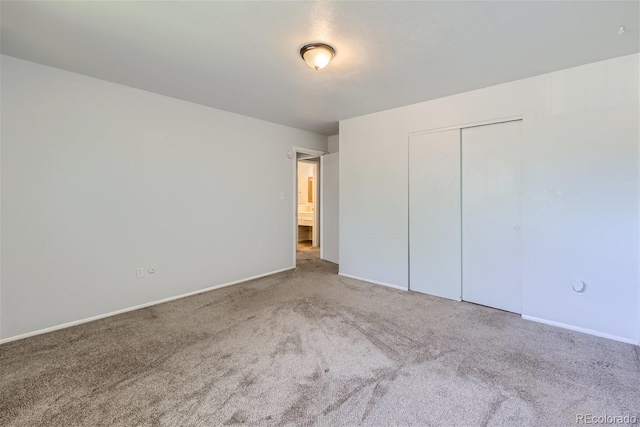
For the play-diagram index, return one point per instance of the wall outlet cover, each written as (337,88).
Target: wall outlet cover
(579,286)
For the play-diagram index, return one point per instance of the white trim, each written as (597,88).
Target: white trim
(583,330)
(469,125)
(320,211)
(295,205)
(373,281)
(309,151)
(315,235)
(137,307)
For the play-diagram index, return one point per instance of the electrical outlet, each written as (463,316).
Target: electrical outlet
(139,272)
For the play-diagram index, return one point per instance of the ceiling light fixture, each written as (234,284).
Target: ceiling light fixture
(317,55)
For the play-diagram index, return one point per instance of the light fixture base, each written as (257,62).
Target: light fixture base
(317,55)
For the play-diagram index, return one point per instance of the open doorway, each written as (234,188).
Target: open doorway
(308,206)
(305,206)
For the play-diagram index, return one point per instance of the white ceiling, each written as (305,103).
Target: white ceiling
(243,56)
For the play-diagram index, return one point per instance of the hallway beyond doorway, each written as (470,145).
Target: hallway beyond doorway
(306,250)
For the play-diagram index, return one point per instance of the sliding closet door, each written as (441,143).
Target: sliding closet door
(491,198)
(434,214)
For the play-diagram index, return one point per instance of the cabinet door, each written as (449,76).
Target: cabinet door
(434,214)
(491,199)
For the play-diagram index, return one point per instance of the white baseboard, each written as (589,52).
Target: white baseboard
(137,307)
(583,330)
(372,281)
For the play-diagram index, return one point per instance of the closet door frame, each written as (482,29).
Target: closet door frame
(468,125)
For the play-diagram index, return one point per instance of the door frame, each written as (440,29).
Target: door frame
(319,215)
(294,206)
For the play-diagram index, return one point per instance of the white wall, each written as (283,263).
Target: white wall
(581,133)
(330,207)
(98,179)
(334,143)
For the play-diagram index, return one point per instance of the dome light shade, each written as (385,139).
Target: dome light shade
(317,55)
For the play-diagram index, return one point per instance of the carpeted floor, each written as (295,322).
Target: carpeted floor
(307,347)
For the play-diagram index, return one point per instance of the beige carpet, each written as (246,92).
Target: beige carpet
(307,347)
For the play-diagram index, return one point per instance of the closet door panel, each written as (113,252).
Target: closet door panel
(491,200)
(434,214)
